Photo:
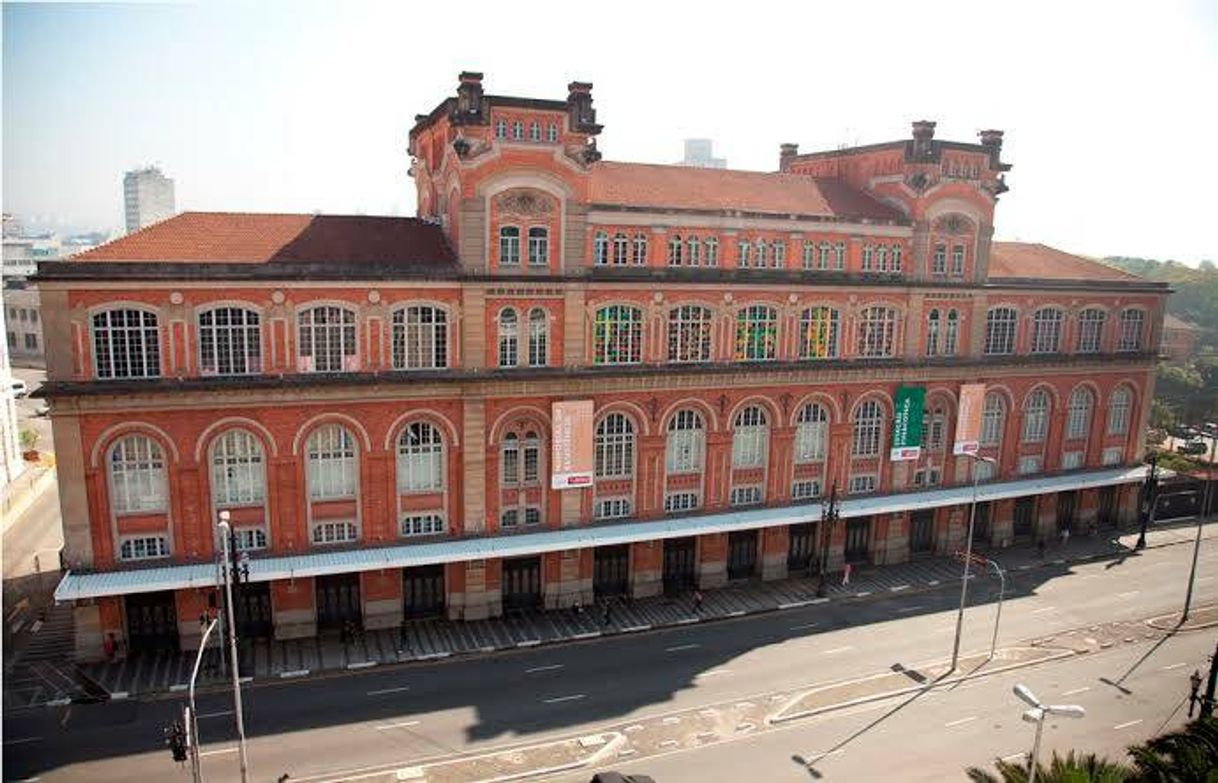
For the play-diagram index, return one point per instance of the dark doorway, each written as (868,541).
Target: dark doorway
(1025,518)
(521,583)
(252,610)
(741,554)
(152,622)
(802,548)
(922,531)
(982,529)
(611,570)
(423,591)
(679,564)
(1067,508)
(338,601)
(858,537)
(1106,513)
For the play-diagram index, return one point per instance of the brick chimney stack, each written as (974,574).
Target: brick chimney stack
(469,98)
(785,153)
(923,135)
(579,108)
(992,141)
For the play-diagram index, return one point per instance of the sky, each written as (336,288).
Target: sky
(1109,108)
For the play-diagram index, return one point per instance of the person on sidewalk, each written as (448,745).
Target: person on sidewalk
(697,601)
(1040,547)
(605,616)
(1065,536)
(846,569)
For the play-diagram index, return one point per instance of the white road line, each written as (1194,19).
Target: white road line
(215,714)
(1127,724)
(862,594)
(549,668)
(933,582)
(23,739)
(1083,689)
(839,649)
(1128,593)
(714,673)
(681,647)
(803,627)
(383,691)
(899,588)
(1174,666)
(403,725)
(907,609)
(1201,579)
(962,721)
(560,699)
(1043,610)
(218,751)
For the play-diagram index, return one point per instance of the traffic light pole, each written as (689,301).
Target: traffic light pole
(226,535)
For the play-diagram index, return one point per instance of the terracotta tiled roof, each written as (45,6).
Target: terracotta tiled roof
(683,187)
(1172,322)
(242,237)
(1033,261)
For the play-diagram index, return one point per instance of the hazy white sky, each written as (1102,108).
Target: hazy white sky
(1109,108)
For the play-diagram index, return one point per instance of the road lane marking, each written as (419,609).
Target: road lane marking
(403,725)
(714,673)
(668,744)
(960,722)
(907,609)
(23,739)
(560,699)
(1128,594)
(681,647)
(803,627)
(549,668)
(1174,666)
(1127,724)
(899,588)
(218,751)
(933,582)
(1083,689)
(1043,610)
(1204,579)
(215,714)
(839,649)
(383,691)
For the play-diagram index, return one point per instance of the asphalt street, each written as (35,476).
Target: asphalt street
(394,716)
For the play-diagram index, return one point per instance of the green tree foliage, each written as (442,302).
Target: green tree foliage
(1186,756)
(1195,296)
(1071,768)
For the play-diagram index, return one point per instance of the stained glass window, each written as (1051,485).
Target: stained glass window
(617,335)
(756,333)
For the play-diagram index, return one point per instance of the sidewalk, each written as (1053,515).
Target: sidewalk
(439,638)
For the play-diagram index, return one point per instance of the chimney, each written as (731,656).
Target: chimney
(469,96)
(992,141)
(785,153)
(579,108)
(923,135)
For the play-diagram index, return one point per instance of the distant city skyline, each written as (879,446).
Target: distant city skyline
(306,107)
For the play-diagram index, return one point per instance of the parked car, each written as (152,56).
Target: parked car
(1210,429)
(1185,432)
(43,409)
(19,388)
(1193,447)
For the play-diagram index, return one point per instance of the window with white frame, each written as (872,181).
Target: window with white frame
(877,331)
(521,459)
(1119,406)
(693,251)
(420,458)
(951,333)
(230,341)
(745,496)
(1113,455)
(809,255)
(934,429)
(823,254)
(334,533)
(421,525)
(617,335)
(993,419)
(534,131)
(805,489)
(1131,330)
(676,251)
(712,251)
(1091,330)
(1047,330)
(1029,464)
(144,548)
(420,338)
(839,256)
(676,502)
(756,333)
(509,338)
(552,133)
(818,329)
(927,476)
(600,249)
(743,254)
(137,476)
(868,427)
(897,252)
(539,335)
(868,257)
(939,263)
(1078,413)
(779,255)
(957,260)
(539,246)
(621,249)
(330,452)
(881,258)
(614,447)
(612,508)
(750,438)
(249,539)
(501,129)
(517,130)
(509,246)
(1072,460)
(640,249)
(1000,328)
(862,484)
(532,516)
(238,470)
(510,517)
(933,325)
(689,334)
(686,442)
(983,471)
(126,344)
(812,433)
(327,339)
(1036,416)
(761,255)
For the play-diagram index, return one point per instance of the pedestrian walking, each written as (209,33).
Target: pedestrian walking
(605,615)
(1065,536)
(846,569)
(1040,548)
(697,601)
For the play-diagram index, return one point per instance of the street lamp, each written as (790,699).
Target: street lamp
(226,539)
(1149,495)
(828,518)
(1202,513)
(193,721)
(1037,715)
(968,555)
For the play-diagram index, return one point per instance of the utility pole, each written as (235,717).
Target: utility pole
(1150,492)
(226,536)
(1201,514)
(1207,703)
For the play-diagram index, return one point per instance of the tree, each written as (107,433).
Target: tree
(1071,768)
(1185,756)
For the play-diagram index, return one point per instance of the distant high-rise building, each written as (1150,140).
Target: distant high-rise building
(700,153)
(147,197)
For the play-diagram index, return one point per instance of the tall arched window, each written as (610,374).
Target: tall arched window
(868,258)
(521,459)
(693,248)
(933,323)
(539,334)
(614,447)
(1047,330)
(756,333)
(230,341)
(877,332)
(126,344)
(137,476)
(1131,330)
(238,472)
(868,428)
(534,131)
(600,249)
(1036,416)
(676,251)
(509,338)
(1091,330)
(993,419)
(539,246)
(1000,325)
(1078,413)
(712,251)
(812,433)
(332,468)
(743,254)
(1119,406)
(750,438)
(420,338)
(621,249)
(509,246)
(686,442)
(934,429)
(818,333)
(617,335)
(951,333)
(420,458)
(689,334)
(327,339)
(761,253)
(640,249)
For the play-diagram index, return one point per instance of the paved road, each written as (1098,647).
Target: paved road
(395,716)
(37,533)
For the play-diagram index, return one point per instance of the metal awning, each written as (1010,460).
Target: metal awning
(76,586)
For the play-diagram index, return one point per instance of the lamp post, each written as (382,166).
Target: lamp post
(828,518)
(226,538)
(1150,490)
(1037,715)
(1201,515)
(968,556)
(195,763)
(1002,591)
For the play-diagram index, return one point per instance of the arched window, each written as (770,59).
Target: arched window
(1000,324)
(501,129)
(809,255)
(932,333)
(230,341)
(951,333)
(621,249)
(614,447)
(756,333)
(330,453)
(509,246)
(812,433)
(686,442)
(539,333)
(958,261)
(743,254)
(934,429)
(868,258)
(521,459)
(617,335)
(689,334)
(600,249)
(881,258)
(1078,413)
(552,134)
(750,438)
(420,338)
(877,332)
(327,339)
(779,255)
(509,339)
(238,472)
(760,254)
(1036,416)
(517,130)
(839,256)
(993,419)
(126,344)
(676,251)
(712,251)
(693,247)
(1047,330)
(939,264)
(868,427)
(534,132)
(1091,330)
(818,333)
(539,246)
(1131,330)
(1119,406)
(137,476)
(640,249)
(420,458)
(897,251)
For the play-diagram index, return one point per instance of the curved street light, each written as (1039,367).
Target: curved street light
(1037,715)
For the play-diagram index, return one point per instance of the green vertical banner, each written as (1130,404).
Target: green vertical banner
(907,423)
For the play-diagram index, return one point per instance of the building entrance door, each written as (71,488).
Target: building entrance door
(338,601)
(1105,515)
(1025,518)
(252,610)
(611,570)
(521,583)
(802,548)
(423,591)
(1067,507)
(741,554)
(982,531)
(152,622)
(858,536)
(680,566)
(922,531)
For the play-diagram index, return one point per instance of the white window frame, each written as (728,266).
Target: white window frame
(508,324)
(750,438)
(539,246)
(600,249)
(812,433)
(993,419)
(819,332)
(509,246)
(1078,413)
(1047,330)
(877,332)
(332,460)
(614,447)
(420,458)
(1132,324)
(126,344)
(1091,330)
(138,475)
(689,334)
(1120,408)
(757,319)
(862,484)
(233,347)
(867,430)
(238,470)
(1029,464)
(250,539)
(680,502)
(420,337)
(418,525)
(1036,416)
(1001,329)
(539,337)
(1073,459)
(685,443)
(333,531)
(613,508)
(135,548)
(623,335)
(748,495)
(332,328)
(1113,455)
(805,489)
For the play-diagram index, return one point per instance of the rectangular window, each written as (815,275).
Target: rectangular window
(1072,460)
(1029,464)
(958,261)
(745,496)
(539,247)
(677,502)
(780,255)
(939,265)
(1114,455)
(509,246)
(809,258)
(839,256)
(146,548)
(509,518)
(532,516)
(805,489)
(334,533)
(613,508)
(422,525)
(983,471)
(250,539)
(31,342)
(861,485)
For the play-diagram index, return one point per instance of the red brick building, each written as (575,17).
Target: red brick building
(370,398)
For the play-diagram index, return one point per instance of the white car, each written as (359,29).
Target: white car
(19,388)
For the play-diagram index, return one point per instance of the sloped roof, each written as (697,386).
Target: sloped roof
(256,238)
(1028,260)
(1172,322)
(684,187)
